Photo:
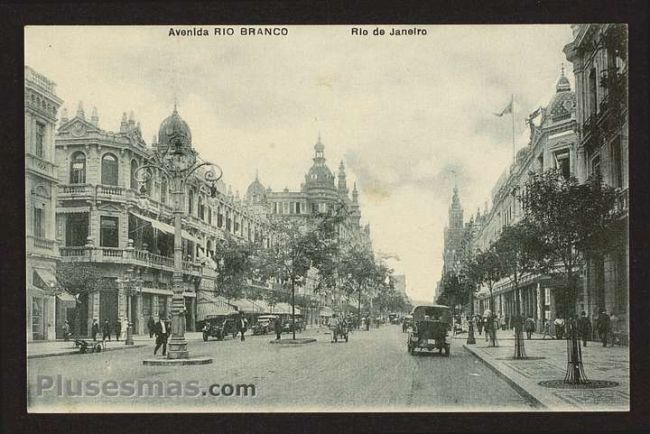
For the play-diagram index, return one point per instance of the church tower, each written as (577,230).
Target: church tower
(453,233)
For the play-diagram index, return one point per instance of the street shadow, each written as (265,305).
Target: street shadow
(426,353)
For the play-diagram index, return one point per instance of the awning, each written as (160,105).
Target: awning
(164,227)
(66,297)
(326,311)
(47,277)
(210,305)
(72,209)
(158,291)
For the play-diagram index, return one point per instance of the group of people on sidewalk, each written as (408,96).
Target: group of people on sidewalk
(556,329)
(106,330)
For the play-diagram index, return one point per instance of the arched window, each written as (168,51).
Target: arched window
(134,180)
(78,168)
(109,170)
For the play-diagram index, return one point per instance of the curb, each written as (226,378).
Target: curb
(300,341)
(67,353)
(177,362)
(523,392)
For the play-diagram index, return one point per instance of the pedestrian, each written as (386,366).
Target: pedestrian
(150,326)
(584,328)
(530,327)
(547,329)
(161,331)
(106,330)
(333,325)
(66,331)
(277,327)
(604,326)
(241,325)
(94,329)
(559,328)
(118,330)
(479,324)
(125,327)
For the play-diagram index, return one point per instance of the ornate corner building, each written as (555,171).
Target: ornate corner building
(41,107)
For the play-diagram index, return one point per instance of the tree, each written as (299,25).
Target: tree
(487,270)
(357,270)
(235,265)
(454,291)
(79,279)
(514,248)
(570,221)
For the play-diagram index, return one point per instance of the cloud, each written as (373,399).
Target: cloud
(404,114)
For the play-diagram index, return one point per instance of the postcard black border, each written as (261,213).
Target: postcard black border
(12,250)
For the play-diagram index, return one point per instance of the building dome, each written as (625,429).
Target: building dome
(319,175)
(256,192)
(174,128)
(563,103)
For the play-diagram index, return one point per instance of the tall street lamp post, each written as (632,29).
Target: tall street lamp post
(178,161)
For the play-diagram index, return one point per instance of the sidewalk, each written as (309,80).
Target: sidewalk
(60,347)
(547,361)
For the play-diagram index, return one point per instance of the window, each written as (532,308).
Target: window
(76,229)
(39,223)
(163,190)
(593,91)
(39,138)
(617,164)
(297,207)
(595,166)
(134,169)
(209,215)
(201,209)
(109,170)
(78,168)
(285,207)
(190,201)
(314,208)
(108,233)
(219,217)
(563,162)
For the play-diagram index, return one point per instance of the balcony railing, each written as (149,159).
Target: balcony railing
(44,243)
(74,190)
(109,190)
(39,165)
(137,257)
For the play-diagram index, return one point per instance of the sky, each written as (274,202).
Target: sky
(408,115)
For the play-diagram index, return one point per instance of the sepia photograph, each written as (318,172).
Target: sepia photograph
(326,218)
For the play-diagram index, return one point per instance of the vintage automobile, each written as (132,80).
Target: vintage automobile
(219,327)
(430,326)
(264,324)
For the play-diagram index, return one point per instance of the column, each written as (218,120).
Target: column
(140,323)
(540,307)
(154,306)
(122,302)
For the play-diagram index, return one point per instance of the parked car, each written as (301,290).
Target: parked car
(219,327)
(264,324)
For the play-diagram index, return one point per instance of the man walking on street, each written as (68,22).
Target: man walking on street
(530,327)
(106,330)
(241,325)
(161,331)
(118,330)
(150,325)
(584,328)
(94,329)
(277,327)
(603,324)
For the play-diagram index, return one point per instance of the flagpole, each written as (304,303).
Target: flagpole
(512,112)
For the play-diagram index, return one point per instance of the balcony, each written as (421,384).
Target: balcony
(75,191)
(111,192)
(126,256)
(40,244)
(40,166)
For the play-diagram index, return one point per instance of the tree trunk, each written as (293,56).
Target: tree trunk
(359,309)
(293,307)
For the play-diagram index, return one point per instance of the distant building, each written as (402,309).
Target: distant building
(41,107)
(453,234)
(399,283)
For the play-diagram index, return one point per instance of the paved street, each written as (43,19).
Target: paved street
(371,372)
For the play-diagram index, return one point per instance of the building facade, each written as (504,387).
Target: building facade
(598,53)
(121,222)
(552,145)
(41,108)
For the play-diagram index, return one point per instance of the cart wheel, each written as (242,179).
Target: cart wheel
(98,348)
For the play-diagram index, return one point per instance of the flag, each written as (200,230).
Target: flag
(506,110)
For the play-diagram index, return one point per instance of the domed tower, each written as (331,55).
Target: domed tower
(343,185)
(355,213)
(563,104)
(174,131)
(320,184)
(256,193)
